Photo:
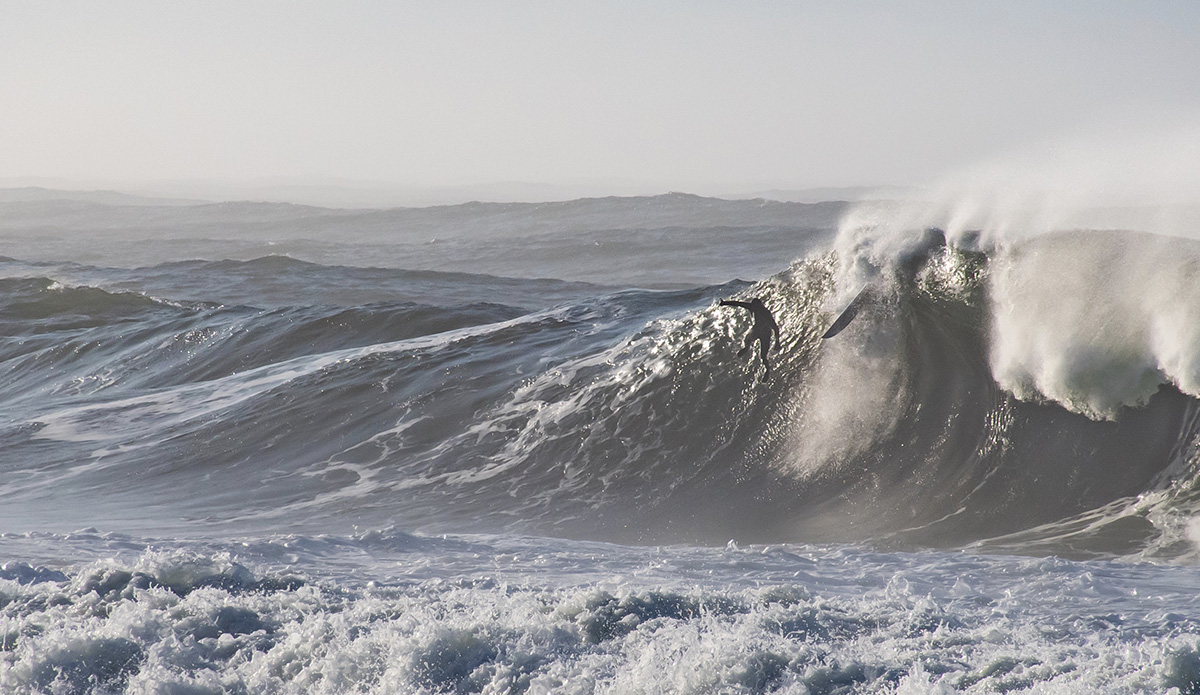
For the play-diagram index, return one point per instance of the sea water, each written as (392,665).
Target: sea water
(510,449)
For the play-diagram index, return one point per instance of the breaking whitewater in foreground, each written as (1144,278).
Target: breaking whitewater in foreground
(391,613)
(508,449)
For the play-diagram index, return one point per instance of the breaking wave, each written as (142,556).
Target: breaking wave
(1035,397)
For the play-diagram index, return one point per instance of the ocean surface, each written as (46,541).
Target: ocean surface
(510,448)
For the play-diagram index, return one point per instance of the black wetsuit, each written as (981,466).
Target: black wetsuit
(762,331)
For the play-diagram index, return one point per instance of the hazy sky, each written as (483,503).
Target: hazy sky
(677,95)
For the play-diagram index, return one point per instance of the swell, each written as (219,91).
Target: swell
(270,408)
(60,339)
(281,281)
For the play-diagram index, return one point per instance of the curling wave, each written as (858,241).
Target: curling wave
(1034,398)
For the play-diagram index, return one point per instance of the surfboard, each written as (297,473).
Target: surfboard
(848,313)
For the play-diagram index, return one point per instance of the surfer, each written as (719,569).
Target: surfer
(762,330)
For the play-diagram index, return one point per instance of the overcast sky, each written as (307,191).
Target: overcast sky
(673,95)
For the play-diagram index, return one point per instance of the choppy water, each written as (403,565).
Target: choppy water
(511,449)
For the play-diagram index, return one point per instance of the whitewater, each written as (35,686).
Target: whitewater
(509,448)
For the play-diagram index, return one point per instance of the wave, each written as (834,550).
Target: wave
(1039,396)
(45,304)
(279,281)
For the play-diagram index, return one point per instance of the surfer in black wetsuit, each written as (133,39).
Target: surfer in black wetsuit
(762,331)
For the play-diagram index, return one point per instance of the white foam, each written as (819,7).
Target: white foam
(497,614)
(1088,328)
(1096,322)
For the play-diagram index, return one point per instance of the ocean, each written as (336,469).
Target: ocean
(511,448)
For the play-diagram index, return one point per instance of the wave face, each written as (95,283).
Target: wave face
(1036,398)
